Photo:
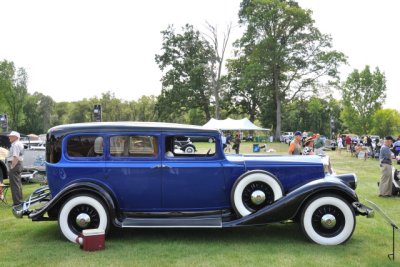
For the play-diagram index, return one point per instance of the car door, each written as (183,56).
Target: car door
(133,170)
(193,181)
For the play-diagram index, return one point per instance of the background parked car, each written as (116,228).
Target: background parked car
(184,144)
(286,137)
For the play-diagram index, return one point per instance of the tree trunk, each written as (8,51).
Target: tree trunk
(206,107)
(277,102)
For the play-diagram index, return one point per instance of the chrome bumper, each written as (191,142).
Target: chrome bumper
(363,210)
(41,194)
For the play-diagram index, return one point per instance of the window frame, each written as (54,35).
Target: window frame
(190,157)
(156,146)
(82,158)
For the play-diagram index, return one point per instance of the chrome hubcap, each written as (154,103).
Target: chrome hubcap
(83,220)
(328,221)
(258,197)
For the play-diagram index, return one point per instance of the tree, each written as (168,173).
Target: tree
(217,62)
(363,94)
(38,110)
(386,122)
(293,53)
(60,113)
(144,109)
(81,111)
(246,92)
(111,106)
(14,91)
(313,115)
(185,61)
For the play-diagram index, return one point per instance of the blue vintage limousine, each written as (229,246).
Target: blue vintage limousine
(132,174)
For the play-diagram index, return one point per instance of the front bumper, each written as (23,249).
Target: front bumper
(363,210)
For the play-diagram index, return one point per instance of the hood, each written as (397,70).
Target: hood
(292,171)
(278,159)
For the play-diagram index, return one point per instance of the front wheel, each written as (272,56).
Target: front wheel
(253,192)
(328,220)
(82,212)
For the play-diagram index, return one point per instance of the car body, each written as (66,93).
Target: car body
(329,144)
(374,138)
(286,137)
(185,145)
(126,174)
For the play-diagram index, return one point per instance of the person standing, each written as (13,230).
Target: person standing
(318,145)
(228,142)
(348,143)
(223,139)
(308,146)
(14,161)
(236,143)
(295,145)
(369,145)
(339,143)
(385,159)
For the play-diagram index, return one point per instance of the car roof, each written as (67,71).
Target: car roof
(129,126)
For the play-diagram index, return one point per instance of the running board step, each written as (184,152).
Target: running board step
(199,222)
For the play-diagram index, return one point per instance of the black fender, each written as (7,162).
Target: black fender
(287,207)
(55,203)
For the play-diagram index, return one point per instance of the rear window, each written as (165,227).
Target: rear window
(85,146)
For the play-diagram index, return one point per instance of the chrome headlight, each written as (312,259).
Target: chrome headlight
(328,170)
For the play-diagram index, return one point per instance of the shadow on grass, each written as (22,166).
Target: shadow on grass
(274,233)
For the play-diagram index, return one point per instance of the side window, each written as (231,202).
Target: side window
(190,146)
(85,146)
(133,146)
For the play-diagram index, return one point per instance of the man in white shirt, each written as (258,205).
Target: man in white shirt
(14,161)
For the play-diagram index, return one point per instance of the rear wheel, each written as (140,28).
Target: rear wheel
(82,212)
(190,149)
(328,220)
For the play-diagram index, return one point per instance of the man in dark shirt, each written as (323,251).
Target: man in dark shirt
(385,159)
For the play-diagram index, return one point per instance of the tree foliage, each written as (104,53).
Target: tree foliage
(315,115)
(13,91)
(386,122)
(281,38)
(363,94)
(186,82)
(38,110)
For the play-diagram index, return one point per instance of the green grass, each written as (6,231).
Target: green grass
(27,243)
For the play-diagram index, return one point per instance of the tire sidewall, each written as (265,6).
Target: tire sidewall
(189,150)
(79,200)
(338,202)
(241,183)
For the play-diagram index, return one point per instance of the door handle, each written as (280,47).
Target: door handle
(157,166)
(165,166)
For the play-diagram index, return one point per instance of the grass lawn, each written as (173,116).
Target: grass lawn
(27,243)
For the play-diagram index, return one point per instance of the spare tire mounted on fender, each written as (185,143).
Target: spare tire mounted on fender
(253,191)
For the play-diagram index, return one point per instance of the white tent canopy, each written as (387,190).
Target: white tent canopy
(231,124)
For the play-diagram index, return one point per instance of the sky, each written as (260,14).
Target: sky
(79,49)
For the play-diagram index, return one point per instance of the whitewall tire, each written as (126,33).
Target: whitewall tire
(189,150)
(328,220)
(82,212)
(254,191)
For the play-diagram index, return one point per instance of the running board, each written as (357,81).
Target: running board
(193,222)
